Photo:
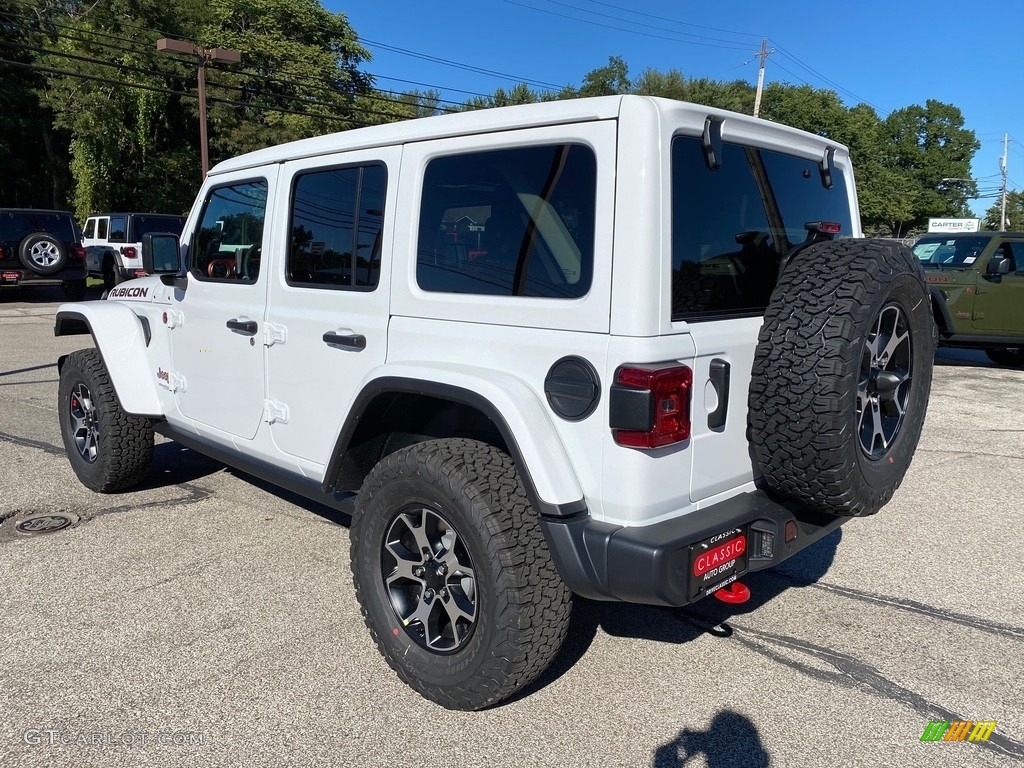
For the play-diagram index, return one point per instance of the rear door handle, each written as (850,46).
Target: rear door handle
(354,341)
(244,327)
(719,376)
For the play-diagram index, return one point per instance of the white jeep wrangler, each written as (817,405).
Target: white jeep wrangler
(625,347)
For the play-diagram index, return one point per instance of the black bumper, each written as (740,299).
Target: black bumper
(651,564)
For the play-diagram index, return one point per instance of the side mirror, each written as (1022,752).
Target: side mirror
(998,265)
(161,255)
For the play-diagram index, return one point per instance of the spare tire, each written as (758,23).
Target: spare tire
(841,375)
(43,254)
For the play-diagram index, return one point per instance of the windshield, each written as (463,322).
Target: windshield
(949,251)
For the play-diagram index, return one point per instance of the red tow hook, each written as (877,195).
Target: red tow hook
(734,594)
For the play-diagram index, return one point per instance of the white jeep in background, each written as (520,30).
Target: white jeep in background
(113,243)
(625,347)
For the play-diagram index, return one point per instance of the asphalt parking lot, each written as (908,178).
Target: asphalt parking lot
(208,619)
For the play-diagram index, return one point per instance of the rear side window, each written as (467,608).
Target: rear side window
(144,225)
(229,241)
(117,229)
(90,228)
(336,228)
(509,222)
(731,227)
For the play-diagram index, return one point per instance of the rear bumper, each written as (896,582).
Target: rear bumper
(24,277)
(651,564)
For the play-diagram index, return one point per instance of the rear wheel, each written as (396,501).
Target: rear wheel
(1012,357)
(109,450)
(842,374)
(453,574)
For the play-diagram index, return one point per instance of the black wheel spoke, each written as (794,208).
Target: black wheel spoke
(429,579)
(884,382)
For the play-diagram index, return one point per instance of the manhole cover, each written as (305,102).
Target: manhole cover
(46,523)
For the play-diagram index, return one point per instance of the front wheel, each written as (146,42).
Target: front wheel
(109,450)
(453,574)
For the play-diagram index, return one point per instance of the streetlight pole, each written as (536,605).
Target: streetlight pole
(203,56)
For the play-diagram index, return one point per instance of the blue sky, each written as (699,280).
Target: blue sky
(887,54)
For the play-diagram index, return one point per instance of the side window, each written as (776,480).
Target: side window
(101,228)
(336,225)
(117,229)
(510,222)
(731,227)
(227,245)
(90,229)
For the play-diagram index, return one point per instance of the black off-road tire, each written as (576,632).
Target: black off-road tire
(520,605)
(43,254)
(825,366)
(1011,357)
(109,450)
(112,274)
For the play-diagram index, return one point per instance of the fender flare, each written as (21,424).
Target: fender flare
(121,337)
(515,410)
(944,320)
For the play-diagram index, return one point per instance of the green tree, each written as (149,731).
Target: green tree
(929,146)
(607,81)
(33,154)
(1014,214)
(121,104)
(298,77)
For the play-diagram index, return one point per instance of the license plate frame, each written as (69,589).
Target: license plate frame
(717,561)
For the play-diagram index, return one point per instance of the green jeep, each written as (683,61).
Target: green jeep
(976,282)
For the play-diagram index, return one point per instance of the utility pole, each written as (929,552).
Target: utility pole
(1002,167)
(203,56)
(763,54)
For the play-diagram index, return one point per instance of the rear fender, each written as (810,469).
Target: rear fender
(122,338)
(515,410)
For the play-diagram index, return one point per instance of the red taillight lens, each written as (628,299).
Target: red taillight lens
(655,405)
(130,252)
(79,253)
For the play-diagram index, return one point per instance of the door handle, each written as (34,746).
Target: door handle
(244,327)
(354,341)
(719,376)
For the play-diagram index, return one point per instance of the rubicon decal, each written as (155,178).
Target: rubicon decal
(719,555)
(136,293)
(958,730)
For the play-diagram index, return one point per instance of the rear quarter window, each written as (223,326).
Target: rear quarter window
(509,222)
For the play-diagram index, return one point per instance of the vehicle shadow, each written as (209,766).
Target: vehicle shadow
(731,740)
(174,464)
(683,625)
(43,294)
(970,358)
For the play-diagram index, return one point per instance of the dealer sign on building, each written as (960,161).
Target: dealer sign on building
(954,225)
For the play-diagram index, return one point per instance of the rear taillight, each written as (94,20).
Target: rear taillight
(649,405)
(130,252)
(79,253)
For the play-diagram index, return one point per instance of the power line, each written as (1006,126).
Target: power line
(674,21)
(458,65)
(736,46)
(636,23)
(883,113)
